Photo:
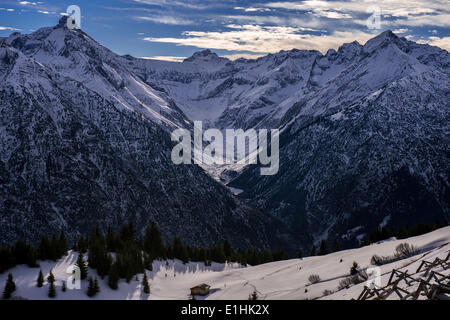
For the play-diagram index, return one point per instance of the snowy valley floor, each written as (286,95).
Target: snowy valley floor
(277,280)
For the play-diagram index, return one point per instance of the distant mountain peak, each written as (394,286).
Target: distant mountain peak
(204,55)
(62,23)
(385,37)
(387,34)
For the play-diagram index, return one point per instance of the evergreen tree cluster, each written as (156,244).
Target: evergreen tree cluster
(387,232)
(324,248)
(134,254)
(93,287)
(23,252)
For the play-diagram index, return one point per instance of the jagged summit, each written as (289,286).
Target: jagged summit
(62,23)
(387,34)
(349,46)
(383,38)
(205,55)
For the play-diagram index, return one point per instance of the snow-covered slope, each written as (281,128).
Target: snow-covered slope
(277,280)
(231,94)
(76,55)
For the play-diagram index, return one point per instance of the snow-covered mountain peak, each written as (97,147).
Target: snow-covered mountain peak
(381,40)
(62,23)
(76,55)
(205,56)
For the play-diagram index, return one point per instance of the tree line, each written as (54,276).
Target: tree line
(23,252)
(122,254)
(387,232)
(134,254)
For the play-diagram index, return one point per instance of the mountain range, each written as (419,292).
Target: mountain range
(85,140)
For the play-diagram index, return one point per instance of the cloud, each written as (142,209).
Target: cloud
(167,20)
(443,42)
(172,3)
(40,7)
(306,23)
(438,20)
(165,58)
(26,3)
(332,14)
(413,12)
(252,9)
(400,31)
(262,39)
(9,28)
(7,9)
(391,7)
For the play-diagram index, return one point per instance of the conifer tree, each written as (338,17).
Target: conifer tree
(54,248)
(153,242)
(91,288)
(23,253)
(300,254)
(128,233)
(63,288)
(52,290)
(323,250)
(228,250)
(5,259)
(313,250)
(179,250)
(62,244)
(98,256)
(218,254)
(96,286)
(40,279)
(111,240)
(82,265)
(335,246)
(279,255)
(267,256)
(113,277)
(44,250)
(51,277)
(10,287)
(145,284)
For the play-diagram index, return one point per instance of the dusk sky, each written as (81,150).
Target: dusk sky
(173,30)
